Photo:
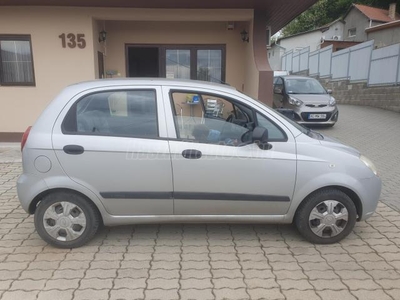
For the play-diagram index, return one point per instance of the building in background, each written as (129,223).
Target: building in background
(275,53)
(360,23)
(361,17)
(313,38)
(384,35)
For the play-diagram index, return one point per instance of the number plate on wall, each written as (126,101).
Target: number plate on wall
(73,40)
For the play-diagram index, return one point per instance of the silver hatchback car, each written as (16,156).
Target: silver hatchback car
(310,102)
(132,151)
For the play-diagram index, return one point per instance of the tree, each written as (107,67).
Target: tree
(326,11)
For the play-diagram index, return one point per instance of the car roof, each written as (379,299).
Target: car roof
(148,81)
(295,77)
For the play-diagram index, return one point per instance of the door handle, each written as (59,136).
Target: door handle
(73,149)
(191,154)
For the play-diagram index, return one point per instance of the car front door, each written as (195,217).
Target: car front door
(111,141)
(214,173)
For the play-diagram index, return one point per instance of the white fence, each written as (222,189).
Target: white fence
(357,63)
(385,66)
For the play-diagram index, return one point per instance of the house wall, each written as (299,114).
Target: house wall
(355,19)
(120,33)
(385,37)
(335,30)
(56,67)
(97,47)
(251,80)
(312,39)
(275,57)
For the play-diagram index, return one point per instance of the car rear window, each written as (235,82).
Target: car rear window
(131,113)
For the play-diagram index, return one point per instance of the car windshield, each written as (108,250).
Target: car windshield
(303,86)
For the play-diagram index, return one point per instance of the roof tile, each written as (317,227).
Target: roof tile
(376,14)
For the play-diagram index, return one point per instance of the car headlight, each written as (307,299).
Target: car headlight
(369,164)
(294,101)
(332,101)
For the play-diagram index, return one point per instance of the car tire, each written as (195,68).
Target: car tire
(321,218)
(66,219)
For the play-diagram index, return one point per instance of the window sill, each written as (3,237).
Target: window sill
(17,85)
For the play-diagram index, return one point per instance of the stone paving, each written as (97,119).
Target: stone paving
(197,261)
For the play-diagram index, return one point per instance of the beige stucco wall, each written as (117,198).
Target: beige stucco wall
(251,82)
(97,46)
(121,33)
(56,67)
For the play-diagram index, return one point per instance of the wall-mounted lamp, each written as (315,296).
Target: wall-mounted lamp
(245,35)
(102,36)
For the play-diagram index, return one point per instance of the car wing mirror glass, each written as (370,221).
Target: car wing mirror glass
(260,137)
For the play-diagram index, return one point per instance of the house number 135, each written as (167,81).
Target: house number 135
(73,40)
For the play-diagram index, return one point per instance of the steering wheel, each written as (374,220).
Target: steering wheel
(230,118)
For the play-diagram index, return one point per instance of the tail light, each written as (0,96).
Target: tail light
(25,137)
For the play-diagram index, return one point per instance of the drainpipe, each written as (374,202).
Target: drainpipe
(370,23)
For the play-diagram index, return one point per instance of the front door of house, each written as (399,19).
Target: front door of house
(143,62)
(197,62)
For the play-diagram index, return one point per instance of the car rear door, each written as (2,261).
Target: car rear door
(112,141)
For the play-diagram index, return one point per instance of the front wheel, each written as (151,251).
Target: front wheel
(66,220)
(326,217)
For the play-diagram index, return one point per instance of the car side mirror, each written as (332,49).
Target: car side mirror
(260,137)
(277,91)
(329,91)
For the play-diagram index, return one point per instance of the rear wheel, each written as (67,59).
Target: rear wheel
(326,217)
(66,220)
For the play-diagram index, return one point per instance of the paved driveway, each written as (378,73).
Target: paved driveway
(215,261)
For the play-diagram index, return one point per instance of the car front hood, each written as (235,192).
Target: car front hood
(334,143)
(313,99)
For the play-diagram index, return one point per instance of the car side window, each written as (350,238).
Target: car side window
(114,113)
(275,134)
(210,119)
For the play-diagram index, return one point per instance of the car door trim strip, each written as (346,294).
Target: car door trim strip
(193,196)
(229,197)
(137,195)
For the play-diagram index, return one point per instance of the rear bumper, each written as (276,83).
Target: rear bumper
(28,186)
